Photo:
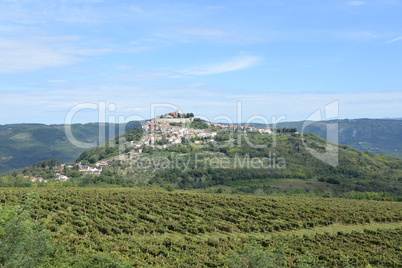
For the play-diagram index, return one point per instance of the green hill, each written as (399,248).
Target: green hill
(379,136)
(22,145)
(297,172)
(283,167)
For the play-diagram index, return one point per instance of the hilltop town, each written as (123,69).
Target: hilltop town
(172,129)
(176,128)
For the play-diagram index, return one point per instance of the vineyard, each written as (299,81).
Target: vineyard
(145,226)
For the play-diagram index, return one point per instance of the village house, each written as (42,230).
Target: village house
(63,178)
(266,131)
(88,170)
(101,164)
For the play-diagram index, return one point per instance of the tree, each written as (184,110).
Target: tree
(22,242)
(94,158)
(184,140)
(254,255)
(169,188)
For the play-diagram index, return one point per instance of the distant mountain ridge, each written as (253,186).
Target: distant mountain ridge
(378,136)
(374,135)
(22,145)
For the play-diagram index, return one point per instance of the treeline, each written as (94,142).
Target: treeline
(21,177)
(47,163)
(110,177)
(199,124)
(111,148)
(286,130)
(187,115)
(93,155)
(134,134)
(14,181)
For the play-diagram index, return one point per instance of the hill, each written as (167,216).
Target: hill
(284,166)
(287,168)
(22,145)
(378,136)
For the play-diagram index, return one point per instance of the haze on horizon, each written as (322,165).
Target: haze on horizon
(275,57)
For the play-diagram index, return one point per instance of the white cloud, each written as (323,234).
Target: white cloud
(355,3)
(137,9)
(123,67)
(235,64)
(24,55)
(10,28)
(394,40)
(201,32)
(191,34)
(18,55)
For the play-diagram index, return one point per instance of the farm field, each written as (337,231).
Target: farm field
(118,227)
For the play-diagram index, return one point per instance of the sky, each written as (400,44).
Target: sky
(78,61)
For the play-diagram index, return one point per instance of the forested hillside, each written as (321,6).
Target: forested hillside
(22,145)
(293,169)
(379,136)
(283,167)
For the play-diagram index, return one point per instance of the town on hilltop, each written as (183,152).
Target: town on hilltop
(171,129)
(176,128)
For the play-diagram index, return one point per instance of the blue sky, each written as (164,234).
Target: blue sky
(277,58)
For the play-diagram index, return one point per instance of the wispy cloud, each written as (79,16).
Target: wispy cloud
(10,28)
(22,55)
(18,55)
(354,35)
(137,9)
(235,64)
(355,3)
(393,40)
(189,34)
(201,32)
(215,7)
